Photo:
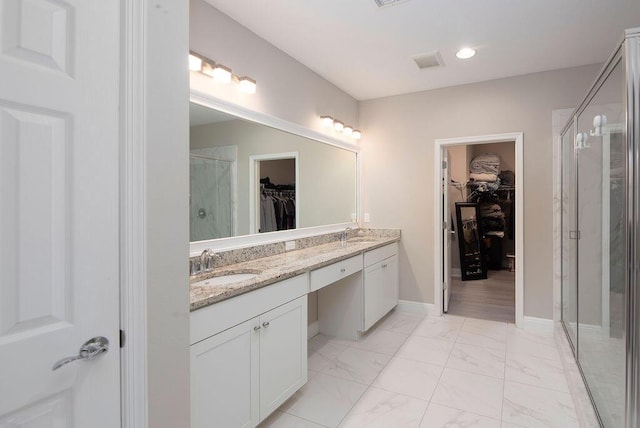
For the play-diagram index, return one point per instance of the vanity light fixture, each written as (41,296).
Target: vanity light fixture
(339,126)
(220,73)
(465,53)
(327,121)
(247,85)
(195,62)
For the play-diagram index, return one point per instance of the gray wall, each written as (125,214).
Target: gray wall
(286,88)
(398,165)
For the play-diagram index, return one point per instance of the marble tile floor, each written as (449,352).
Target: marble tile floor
(430,372)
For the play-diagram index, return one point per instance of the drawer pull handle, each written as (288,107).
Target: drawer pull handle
(265,324)
(343,270)
(256,328)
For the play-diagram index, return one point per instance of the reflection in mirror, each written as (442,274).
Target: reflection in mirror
(472,263)
(229,172)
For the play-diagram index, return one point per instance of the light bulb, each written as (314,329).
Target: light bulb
(219,72)
(247,85)
(338,126)
(348,130)
(465,53)
(356,135)
(326,121)
(195,63)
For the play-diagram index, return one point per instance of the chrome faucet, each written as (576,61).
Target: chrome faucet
(345,236)
(206,259)
(204,264)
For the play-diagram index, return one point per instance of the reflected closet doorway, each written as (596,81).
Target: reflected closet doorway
(447,259)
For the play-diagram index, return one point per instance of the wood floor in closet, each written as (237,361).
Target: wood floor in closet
(490,299)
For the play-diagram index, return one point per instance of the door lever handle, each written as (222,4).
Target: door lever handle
(89,350)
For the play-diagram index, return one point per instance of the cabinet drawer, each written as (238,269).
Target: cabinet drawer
(334,272)
(379,254)
(220,316)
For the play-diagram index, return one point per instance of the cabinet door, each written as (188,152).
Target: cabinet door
(390,285)
(380,290)
(224,378)
(283,354)
(373,280)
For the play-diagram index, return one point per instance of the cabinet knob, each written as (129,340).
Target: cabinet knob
(343,270)
(265,324)
(256,328)
(384,266)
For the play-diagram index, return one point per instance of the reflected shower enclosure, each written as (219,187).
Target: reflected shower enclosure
(211,198)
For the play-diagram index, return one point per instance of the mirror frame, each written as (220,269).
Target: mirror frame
(215,103)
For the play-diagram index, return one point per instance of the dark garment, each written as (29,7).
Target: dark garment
(507,178)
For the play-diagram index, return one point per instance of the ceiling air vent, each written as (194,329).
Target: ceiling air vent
(428,60)
(385,3)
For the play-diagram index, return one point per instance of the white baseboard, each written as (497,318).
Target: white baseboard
(538,324)
(456,272)
(313,329)
(417,307)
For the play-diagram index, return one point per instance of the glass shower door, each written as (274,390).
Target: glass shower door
(601,247)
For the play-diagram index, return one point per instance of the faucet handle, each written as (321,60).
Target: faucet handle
(194,267)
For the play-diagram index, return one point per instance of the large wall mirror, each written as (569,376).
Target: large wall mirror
(249,178)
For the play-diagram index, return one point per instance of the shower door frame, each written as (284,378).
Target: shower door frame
(628,52)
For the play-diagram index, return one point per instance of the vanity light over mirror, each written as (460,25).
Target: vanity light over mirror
(248,178)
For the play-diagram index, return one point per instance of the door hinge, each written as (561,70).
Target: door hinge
(444,164)
(574,234)
(122,338)
(444,285)
(444,225)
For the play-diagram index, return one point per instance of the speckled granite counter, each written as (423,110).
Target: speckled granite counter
(283,265)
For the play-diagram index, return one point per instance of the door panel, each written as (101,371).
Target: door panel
(283,353)
(446,232)
(59,213)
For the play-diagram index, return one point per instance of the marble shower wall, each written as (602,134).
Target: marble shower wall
(211,210)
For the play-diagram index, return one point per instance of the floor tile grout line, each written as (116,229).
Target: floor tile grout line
(369,386)
(467,411)
(304,419)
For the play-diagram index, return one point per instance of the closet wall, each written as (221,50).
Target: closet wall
(279,171)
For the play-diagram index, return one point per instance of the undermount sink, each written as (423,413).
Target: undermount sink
(229,279)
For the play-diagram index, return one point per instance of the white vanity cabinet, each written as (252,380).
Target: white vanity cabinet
(241,373)
(381,283)
(356,293)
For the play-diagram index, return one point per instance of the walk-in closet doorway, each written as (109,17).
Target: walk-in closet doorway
(446,229)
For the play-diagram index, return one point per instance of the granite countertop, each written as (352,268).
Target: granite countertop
(278,267)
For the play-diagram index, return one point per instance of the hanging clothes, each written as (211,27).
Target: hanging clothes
(267,214)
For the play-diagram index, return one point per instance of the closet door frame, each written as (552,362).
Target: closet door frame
(254,189)
(439,147)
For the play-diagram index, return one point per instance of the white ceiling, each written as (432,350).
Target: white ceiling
(367,52)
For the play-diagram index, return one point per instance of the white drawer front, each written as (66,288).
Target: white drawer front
(379,254)
(334,272)
(220,316)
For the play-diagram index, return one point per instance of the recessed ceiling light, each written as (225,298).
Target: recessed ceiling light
(465,53)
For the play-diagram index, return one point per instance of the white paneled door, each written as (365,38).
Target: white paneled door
(59,212)
(447,227)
